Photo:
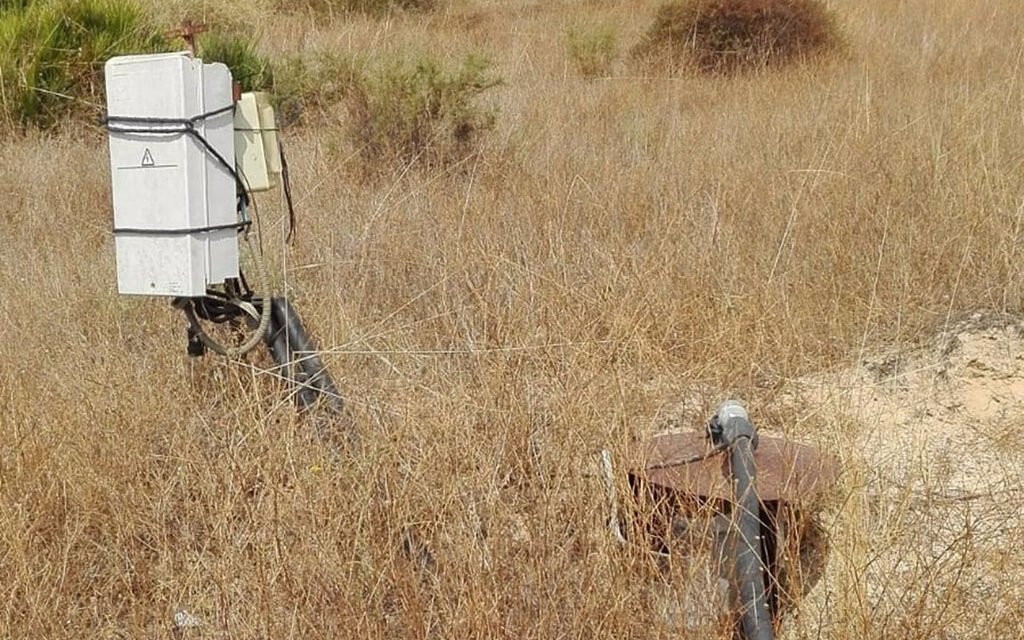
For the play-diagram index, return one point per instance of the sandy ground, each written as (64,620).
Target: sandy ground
(930,524)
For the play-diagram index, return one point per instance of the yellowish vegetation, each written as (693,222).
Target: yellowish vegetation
(614,246)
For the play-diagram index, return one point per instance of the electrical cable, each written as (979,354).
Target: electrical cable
(262,282)
(287,184)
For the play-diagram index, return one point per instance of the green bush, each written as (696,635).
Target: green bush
(728,35)
(592,52)
(421,111)
(396,112)
(13,5)
(248,67)
(52,54)
(312,87)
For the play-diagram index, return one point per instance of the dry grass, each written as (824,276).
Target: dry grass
(617,245)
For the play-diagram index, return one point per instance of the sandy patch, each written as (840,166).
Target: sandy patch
(926,536)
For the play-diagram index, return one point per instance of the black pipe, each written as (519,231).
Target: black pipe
(731,427)
(308,357)
(296,354)
(278,343)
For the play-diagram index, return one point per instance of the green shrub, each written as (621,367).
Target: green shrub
(312,87)
(13,5)
(592,52)
(395,112)
(727,35)
(421,111)
(248,67)
(52,54)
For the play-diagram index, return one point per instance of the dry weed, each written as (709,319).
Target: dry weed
(615,246)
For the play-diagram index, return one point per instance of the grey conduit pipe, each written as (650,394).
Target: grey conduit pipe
(731,427)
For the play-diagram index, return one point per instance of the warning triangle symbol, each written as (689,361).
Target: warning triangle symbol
(147,158)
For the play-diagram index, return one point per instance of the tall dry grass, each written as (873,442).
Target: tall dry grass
(616,246)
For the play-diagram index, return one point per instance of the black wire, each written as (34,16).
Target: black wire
(213,293)
(215,309)
(182,232)
(287,184)
(171,121)
(245,284)
(187,126)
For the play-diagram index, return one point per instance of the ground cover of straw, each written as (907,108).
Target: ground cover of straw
(836,243)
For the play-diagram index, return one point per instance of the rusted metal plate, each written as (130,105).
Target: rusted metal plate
(785,470)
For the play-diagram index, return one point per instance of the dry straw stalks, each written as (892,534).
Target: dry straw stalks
(611,247)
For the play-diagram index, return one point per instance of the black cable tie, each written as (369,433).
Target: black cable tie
(187,126)
(240,226)
(109,119)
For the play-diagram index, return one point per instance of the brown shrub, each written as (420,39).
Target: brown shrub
(728,35)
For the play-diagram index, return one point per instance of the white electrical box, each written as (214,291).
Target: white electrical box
(256,146)
(175,212)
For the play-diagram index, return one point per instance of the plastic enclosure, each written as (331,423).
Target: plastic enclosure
(167,189)
(256,146)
